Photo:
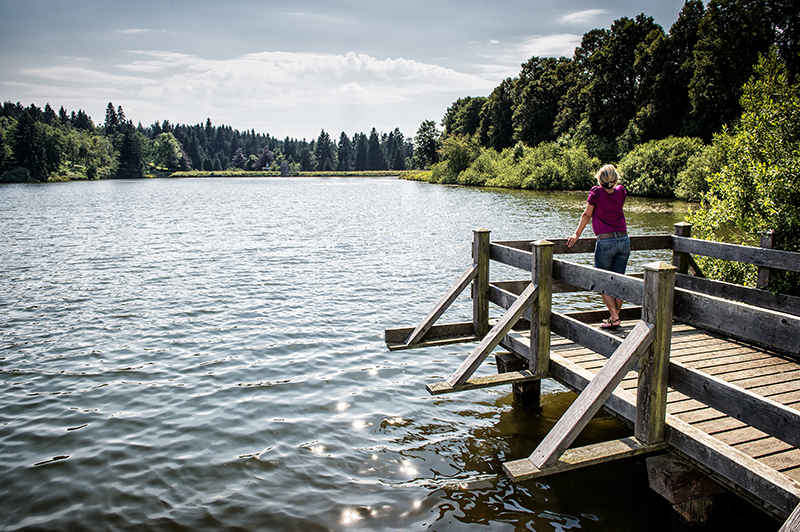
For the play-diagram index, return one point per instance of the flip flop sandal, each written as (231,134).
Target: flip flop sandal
(610,324)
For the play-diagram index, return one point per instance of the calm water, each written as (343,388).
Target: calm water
(208,355)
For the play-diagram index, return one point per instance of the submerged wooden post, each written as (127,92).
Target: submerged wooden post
(768,242)
(525,394)
(480,286)
(681,260)
(651,403)
(541,276)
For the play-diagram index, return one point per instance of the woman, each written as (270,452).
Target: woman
(604,209)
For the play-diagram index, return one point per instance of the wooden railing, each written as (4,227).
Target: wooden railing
(664,293)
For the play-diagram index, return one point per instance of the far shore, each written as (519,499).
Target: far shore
(242,173)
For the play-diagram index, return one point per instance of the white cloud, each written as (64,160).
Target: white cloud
(328,90)
(285,78)
(556,45)
(580,17)
(507,62)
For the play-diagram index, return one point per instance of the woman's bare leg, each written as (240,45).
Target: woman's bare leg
(614,306)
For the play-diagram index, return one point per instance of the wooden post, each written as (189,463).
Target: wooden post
(681,260)
(768,242)
(541,276)
(651,403)
(480,286)
(690,492)
(526,393)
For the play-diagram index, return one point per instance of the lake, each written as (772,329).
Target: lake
(207,354)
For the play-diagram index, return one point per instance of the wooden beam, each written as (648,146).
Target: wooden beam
(769,258)
(591,399)
(586,245)
(793,523)
(604,282)
(767,328)
(767,242)
(510,255)
(762,413)
(768,485)
(590,337)
(743,294)
(486,381)
(651,404)
(540,311)
(736,468)
(580,457)
(443,304)
(681,260)
(493,338)
(480,286)
(443,334)
(595,316)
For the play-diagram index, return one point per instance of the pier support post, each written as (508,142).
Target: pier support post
(681,260)
(526,394)
(651,402)
(542,276)
(690,492)
(480,286)
(767,241)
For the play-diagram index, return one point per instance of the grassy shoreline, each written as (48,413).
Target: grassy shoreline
(242,173)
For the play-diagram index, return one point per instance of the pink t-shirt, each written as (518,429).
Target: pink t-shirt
(608,216)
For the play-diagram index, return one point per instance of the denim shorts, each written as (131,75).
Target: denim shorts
(612,254)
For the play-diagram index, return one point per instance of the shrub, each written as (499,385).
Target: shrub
(758,185)
(652,168)
(16,175)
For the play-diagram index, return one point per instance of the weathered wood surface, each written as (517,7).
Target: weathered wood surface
(443,334)
(744,294)
(775,330)
(793,523)
(493,338)
(480,288)
(620,286)
(580,457)
(593,396)
(586,245)
(735,453)
(541,309)
(486,381)
(443,304)
(651,409)
(677,481)
(769,258)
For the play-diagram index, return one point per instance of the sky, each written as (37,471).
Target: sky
(287,68)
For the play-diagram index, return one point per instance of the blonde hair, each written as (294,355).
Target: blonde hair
(607,176)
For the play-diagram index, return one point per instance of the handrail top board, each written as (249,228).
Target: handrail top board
(764,257)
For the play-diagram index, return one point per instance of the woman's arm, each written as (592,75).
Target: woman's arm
(585,218)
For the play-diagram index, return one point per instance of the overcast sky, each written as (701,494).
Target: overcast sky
(287,68)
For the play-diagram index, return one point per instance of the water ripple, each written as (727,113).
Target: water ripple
(208,354)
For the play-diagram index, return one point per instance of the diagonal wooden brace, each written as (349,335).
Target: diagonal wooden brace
(443,304)
(593,396)
(492,340)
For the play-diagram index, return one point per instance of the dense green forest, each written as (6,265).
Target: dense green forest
(708,111)
(649,100)
(43,145)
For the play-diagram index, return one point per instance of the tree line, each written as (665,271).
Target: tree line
(632,90)
(40,144)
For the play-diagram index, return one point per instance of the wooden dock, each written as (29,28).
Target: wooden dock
(713,368)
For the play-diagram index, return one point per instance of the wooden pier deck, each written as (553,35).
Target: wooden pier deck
(754,369)
(757,370)
(706,370)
